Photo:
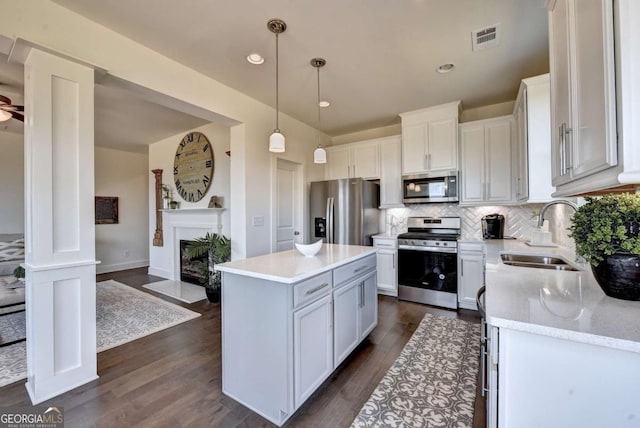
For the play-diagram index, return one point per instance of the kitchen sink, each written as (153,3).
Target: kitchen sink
(535,261)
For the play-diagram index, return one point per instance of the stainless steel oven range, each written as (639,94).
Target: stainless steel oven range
(428,261)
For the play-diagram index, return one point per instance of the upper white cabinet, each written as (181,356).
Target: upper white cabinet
(354,160)
(591,131)
(390,173)
(371,159)
(485,161)
(430,139)
(532,145)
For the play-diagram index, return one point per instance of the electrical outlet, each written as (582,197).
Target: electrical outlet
(127,253)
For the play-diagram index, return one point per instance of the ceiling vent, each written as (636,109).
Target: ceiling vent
(485,38)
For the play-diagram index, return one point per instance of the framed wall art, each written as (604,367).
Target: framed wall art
(106,210)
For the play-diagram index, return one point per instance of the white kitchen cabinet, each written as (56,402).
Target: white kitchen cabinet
(533,371)
(430,139)
(355,314)
(313,347)
(354,160)
(520,161)
(586,154)
(470,273)
(390,173)
(486,163)
(532,148)
(387,256)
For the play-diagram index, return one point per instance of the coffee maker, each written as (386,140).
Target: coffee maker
(493,226)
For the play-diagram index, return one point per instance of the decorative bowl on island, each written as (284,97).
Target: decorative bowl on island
(309,250)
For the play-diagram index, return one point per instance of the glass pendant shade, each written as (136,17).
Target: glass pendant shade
(276,142)
(4,115)
(319,155)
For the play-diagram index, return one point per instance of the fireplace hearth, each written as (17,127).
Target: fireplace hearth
(190,269)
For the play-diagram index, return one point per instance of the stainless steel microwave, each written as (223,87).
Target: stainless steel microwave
(424,189)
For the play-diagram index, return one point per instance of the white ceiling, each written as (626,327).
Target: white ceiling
(381,54)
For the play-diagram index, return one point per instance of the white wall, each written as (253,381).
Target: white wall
(125,175)
(252,166)
(161,156)
(12,183)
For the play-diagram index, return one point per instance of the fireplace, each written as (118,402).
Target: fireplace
(190,269)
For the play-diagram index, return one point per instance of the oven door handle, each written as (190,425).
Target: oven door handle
(429,249)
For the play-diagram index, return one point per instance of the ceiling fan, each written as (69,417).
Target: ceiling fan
(8,110)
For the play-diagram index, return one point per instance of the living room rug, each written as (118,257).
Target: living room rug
(183,291)
(433,381)
(123,314)
(12,327)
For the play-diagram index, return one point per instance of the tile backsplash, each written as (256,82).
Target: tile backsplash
(520,220)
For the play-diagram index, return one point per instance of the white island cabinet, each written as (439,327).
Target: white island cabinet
(288,321)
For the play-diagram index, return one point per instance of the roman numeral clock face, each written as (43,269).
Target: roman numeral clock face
(193,167)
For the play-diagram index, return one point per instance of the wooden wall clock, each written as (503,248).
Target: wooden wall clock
(193,167)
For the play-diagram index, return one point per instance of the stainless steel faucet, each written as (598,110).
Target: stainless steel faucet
(559,201)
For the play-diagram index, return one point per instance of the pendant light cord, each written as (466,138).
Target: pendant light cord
(277,89)
(319,123)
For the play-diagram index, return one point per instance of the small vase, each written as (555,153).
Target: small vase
(619,276)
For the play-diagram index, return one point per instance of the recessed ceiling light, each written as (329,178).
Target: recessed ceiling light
(445,68)
(255,58)
(324,103)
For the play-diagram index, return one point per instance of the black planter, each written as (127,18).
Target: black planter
(619,276)
(213,295)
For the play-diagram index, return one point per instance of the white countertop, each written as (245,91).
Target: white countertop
(386,235)
(291,266)
(562,304)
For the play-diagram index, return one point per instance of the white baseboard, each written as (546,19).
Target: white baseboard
(159,272)
(103,268)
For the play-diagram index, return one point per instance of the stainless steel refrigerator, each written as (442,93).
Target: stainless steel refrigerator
(344,211)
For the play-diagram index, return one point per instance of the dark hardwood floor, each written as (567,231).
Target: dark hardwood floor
(173,377)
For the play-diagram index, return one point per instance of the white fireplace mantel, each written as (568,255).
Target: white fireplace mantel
(187,224)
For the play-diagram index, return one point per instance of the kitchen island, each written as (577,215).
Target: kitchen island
(560,352)
(288,321)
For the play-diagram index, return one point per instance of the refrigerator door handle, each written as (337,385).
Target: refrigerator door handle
(329,217)
(332,214)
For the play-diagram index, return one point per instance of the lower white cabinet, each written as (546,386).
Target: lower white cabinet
(536,380)
(470,273)
(387,265)
(313,347)
(355,314)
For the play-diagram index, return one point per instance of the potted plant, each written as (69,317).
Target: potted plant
(19,273)
(605,231)
(217,248)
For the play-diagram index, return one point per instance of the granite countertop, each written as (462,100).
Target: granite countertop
(563,304)
(291,266)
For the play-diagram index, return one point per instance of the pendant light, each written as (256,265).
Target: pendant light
(319,154)
(276,140)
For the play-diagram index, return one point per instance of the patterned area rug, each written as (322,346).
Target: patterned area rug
(433,381)
(12,327)
(123,314)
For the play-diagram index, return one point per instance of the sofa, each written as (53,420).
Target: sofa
(11,256)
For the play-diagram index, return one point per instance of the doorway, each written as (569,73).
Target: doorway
(288,205)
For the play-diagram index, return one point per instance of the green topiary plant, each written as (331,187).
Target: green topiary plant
(19,272)
(607,225)
(217,248)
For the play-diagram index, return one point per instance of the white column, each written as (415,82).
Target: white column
(59,225)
